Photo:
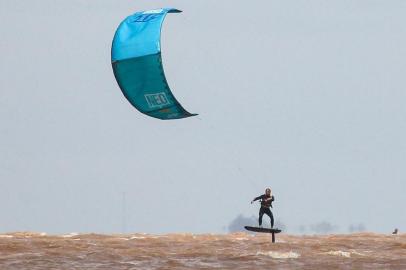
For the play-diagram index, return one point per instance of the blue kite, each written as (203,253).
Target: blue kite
(137,65)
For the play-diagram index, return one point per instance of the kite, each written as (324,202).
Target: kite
(137,65)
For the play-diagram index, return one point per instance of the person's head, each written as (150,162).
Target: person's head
(268,191)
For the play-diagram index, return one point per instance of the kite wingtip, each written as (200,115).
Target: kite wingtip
(174,10)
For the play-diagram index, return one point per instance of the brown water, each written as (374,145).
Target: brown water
(188,251)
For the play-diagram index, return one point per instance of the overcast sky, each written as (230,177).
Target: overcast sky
(305,97)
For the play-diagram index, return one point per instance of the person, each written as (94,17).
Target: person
(266,202)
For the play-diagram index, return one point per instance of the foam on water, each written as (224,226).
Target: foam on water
(339,253)
(137,237)
(346,254)
(280,255)
(122,238)
(69,235)
(241,238)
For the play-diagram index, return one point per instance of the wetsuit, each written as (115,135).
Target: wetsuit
(265,204)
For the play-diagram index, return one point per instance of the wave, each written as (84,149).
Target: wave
(20,250)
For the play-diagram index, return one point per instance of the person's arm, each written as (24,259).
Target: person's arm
(256,199)
(272,199)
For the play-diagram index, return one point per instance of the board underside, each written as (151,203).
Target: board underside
(263,230)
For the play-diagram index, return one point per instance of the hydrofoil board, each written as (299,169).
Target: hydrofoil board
(263,230)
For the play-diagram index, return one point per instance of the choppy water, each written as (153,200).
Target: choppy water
(188,251)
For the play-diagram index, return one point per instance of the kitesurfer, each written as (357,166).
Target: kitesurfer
(266,202)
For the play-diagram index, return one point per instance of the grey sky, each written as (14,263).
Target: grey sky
(307,97)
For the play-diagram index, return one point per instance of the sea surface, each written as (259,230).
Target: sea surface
(203,251)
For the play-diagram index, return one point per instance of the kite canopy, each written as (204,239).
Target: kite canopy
(137,65)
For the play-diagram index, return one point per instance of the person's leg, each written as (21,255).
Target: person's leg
(261,213)
(269,213)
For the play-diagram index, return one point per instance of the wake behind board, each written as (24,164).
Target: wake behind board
(263,230)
